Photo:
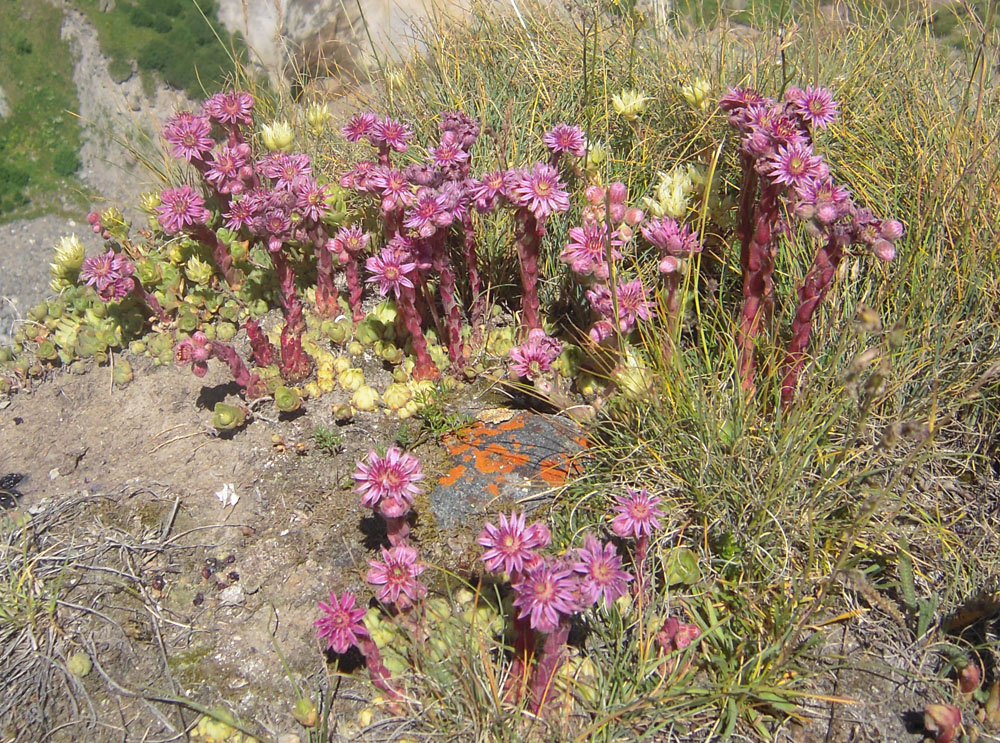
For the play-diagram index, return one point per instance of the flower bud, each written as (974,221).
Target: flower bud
(892,229)
(884,250)
(943,720)
(317,115)
(969,678)
(630,104)
(696,94)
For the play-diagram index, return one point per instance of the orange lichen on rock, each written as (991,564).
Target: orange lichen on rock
(453,475)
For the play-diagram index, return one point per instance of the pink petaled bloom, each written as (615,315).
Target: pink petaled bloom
(535,356)
(638,514)
(116,290)
(736,99)
(488,189)
(360,126)
(196,351)
(671,237)
(785,130)
(393,476)
(180,207)
(449,152)
(100,271)
(349,241)
(600,567)
(397,574)
(190,135)
(566,138)
(823,200)
(310,198)
(632,304)
(226,169)
(539,191)
(341,624)
(599,297)
(428,213)
(394,134)
(816,105)
(510,548)
(545,593)
(796,165)
(360,176)
(230,107)
(241,213)
(396,190)
(284,169)
(586,253)
(390,270)
(601,331)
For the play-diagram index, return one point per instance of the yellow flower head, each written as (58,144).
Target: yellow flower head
(629,103)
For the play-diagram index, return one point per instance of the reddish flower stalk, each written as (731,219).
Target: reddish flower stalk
(758,284)
(529,234)
(296,364)
(475,280)
(812,292)
(326,290)
(376,668)
(249,381)
(449,299)
(263,349)
(425,367)
(140,292)
(220,253)
(354,287)
(524,651)
(548,664)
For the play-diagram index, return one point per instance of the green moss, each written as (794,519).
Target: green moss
(181,41)
(40,138)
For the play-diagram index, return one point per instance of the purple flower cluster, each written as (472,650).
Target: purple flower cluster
(110,274)
(777,150)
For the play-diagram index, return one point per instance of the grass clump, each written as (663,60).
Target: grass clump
(39,138)
(180,41)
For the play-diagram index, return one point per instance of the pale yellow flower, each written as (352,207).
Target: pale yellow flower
(696,94)
(629,103)
(277,136)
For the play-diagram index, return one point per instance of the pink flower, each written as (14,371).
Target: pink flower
(816,105)
(671,237)
(397,574)
(226,170)
(180,207)
(795,164)
(566,138)
(485,192)
(341,624)
(230,107)
(350,240)
(391,270)
(823,200)
(632,304)
(638,514)
(393,134)
(284,169)
(396,191)
(393,476)
(586,252)
(428,213)
(600,567)
(196,351)
(117,290)
(360,126)
(535,356)
(449,152)
(101,271)
(360,176)
(511,546)
(545,593)
(310,198)
(539,191)
(190,135)
(241,213)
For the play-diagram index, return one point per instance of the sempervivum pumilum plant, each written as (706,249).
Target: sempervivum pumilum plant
(342,628)
(387,485)
(397,575)
(548,593)
(780,164)
(637,516)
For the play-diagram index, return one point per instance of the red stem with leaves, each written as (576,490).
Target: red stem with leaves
(296,364)
(528,237)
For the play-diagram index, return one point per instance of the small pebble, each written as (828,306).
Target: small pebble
(233,575)
(199,599)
